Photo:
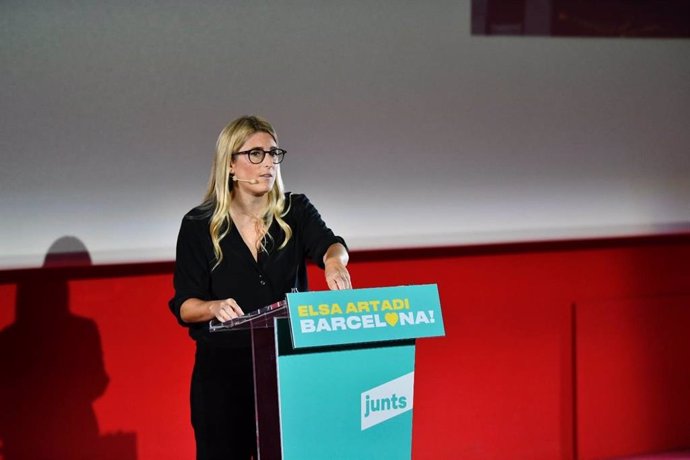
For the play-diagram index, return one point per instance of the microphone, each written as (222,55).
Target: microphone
(249,181)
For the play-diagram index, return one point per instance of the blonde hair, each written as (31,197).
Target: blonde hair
(219,193)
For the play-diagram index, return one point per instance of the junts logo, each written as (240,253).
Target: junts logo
(386,401)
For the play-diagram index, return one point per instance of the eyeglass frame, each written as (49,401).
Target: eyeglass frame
(273,152)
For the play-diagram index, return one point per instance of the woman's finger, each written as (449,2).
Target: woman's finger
(236,309)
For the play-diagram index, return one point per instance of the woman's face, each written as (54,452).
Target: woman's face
(256,179)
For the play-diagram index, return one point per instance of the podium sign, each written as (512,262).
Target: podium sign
(345,364)
(364,315)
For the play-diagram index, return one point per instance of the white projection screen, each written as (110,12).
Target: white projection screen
(403,128)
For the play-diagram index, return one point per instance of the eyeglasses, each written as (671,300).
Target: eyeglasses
(256,156)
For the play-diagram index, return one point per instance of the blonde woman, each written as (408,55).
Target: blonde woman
(243,248)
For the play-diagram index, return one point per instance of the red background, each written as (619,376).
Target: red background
(576,349)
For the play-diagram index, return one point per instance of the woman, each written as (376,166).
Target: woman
(243,248)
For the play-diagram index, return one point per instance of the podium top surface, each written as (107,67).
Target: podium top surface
(329,318)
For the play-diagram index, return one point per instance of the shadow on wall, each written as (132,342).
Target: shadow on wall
(51,372)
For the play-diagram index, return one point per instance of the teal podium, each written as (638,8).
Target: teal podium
(334,371)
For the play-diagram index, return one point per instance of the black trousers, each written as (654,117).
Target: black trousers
(222,402)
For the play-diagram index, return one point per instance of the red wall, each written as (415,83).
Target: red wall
(553,350)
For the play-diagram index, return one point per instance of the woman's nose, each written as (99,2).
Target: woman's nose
(268,160)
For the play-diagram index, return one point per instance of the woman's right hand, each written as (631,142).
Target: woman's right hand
(196,310)
(225,310)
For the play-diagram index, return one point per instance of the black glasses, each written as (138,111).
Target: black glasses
(256,156)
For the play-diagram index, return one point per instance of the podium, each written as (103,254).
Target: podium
(334,371)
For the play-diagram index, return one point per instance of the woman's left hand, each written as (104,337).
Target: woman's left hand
(337,275)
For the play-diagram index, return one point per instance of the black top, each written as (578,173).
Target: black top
(253,284)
